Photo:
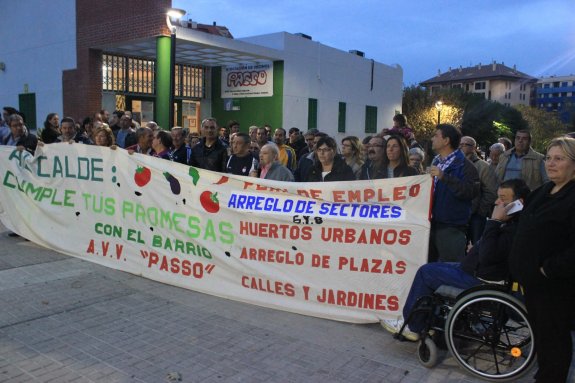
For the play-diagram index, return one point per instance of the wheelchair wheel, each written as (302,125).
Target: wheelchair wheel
(488,333)
(427,352)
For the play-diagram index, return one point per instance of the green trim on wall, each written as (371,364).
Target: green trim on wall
(253,110)
(371,119)
(312,113)
(341,117)
(161,110)
(27,105)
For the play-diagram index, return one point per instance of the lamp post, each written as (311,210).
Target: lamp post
(438,106)
(175,14)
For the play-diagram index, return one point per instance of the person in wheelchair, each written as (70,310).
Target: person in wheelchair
(486,262)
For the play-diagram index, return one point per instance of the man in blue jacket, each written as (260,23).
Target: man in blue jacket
(456,183)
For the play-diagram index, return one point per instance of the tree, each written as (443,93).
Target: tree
(543,125)
(419,107)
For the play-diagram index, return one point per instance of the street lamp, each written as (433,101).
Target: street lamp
(175,14)
(439,106)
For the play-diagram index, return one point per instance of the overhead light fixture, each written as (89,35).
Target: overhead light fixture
(176,13)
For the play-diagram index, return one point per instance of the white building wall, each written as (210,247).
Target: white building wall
(38,42)
(313,70)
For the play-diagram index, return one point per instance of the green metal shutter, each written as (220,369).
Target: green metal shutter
(371,119)
(341,118)
(27,105)
(312,113)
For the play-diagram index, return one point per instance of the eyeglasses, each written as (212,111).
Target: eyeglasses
(374,146)
(555,159)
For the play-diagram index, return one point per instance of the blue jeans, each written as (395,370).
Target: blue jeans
(427,279)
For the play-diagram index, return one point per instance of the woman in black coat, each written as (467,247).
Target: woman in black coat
(397,158)
(543,260)
(330,165)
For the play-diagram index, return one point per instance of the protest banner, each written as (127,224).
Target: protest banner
(343,251)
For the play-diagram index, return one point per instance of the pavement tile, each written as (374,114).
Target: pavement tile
(67,320)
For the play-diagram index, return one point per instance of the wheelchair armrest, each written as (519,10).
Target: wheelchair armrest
(448,291)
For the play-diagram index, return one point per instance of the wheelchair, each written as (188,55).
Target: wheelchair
(485,328)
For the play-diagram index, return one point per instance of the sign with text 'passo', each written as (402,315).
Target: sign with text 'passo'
(253,80)
(344,251)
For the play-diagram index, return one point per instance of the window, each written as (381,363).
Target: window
(128,74)
(546,86)
(189,81)
(456,86)
(564,83)
(480,85)
(341,117)
(312,113)
(371,119)
(137,76)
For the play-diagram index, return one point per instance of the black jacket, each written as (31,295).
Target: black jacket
(546,238)
(488,258)
(29,141)
(181,155)
(213,158)
(369,173)
(49,135)
(340,171)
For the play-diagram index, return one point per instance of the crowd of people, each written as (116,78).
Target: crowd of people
(474,236)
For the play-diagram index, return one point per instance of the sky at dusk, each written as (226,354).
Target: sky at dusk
(422,36)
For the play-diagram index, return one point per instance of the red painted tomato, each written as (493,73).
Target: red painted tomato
(142,176)
(210,201)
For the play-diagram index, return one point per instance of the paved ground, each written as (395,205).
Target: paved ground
(67,320)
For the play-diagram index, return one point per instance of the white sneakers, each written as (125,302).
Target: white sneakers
(393,326)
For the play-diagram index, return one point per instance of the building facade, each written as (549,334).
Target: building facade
(495,82)
(84,55)
(557,94)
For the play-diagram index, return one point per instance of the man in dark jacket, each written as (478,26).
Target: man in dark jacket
(456,183)
(179,152)
(487,261)
(374,168)
(70,134)
(209,153)
(19,135)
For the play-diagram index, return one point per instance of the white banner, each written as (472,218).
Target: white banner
(254,80)
(344,251)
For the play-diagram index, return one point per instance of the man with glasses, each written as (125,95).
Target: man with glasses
(481,205)
(374,168)
(7,111)
(19,135)
(522,162)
